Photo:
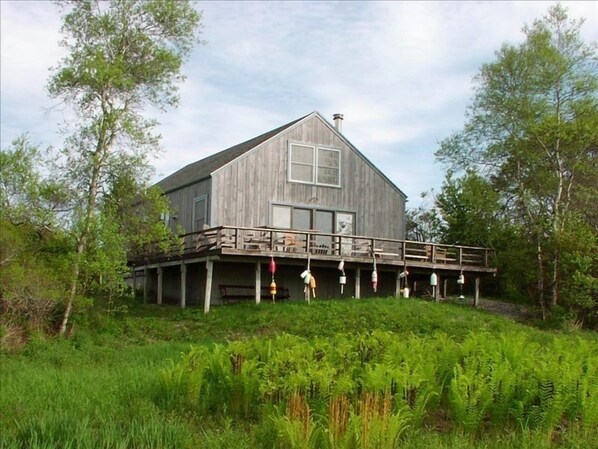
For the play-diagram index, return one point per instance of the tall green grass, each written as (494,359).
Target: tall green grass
(58,396)
(132,381)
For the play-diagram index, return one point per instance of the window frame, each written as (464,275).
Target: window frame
(312,165)
(196,200)
(315,166)
(313,210)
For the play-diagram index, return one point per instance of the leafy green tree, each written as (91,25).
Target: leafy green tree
(122,57)
(532,130)
(470,209)
(26,196)
(134,209)
(34,250)
(424,224)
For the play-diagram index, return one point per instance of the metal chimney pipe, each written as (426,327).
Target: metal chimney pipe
(338,122)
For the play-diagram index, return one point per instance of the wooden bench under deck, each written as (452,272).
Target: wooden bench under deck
(235,293)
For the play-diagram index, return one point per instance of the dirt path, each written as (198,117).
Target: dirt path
(518,312)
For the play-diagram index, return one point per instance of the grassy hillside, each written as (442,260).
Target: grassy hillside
(129,379)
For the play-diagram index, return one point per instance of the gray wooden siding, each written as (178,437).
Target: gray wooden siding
(181,204)
(244,189)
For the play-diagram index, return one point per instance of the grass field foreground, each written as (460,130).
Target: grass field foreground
(130,380)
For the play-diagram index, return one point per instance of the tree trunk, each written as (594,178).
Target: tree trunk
(555,280)
(540,278)
(74,283)
(82,241)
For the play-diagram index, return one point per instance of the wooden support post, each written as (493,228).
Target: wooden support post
(183,285)
(398,285)
(145,285)
(444,283)
(437,289)
(208,293)
(258,282)
(476,293)
(160,283)
(357,282)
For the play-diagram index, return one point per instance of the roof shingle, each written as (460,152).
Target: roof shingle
(202,169)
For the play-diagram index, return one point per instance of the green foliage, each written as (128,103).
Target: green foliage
(34,272)
(390,382)
(133,209)
(470,208)
(127,379)
(25,195)
(529,152)
(121,56)
(579,277)
(424,224)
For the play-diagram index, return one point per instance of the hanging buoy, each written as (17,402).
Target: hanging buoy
(433,280)
(375,280)
(461,281)
(342,280)
(306,277)
(406,292)
(272,266)
(273,289)
(312,285)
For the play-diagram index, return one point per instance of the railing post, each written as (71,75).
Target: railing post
(258,282)
(476,293)
(160,283)
(146,280)
(183,285)
(208,292)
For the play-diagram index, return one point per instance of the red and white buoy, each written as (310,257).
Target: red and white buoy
(272,269)
(342,280)
(375,280)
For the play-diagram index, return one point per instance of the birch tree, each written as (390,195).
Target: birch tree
(532,130)
(123,57)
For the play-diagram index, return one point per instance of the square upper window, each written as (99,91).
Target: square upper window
(314,165)
(302,163)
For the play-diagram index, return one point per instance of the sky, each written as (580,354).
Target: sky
(400,72)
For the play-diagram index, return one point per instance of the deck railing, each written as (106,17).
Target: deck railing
(262,240)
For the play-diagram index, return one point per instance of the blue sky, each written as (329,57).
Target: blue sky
(400,72)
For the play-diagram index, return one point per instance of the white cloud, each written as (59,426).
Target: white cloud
(400,72)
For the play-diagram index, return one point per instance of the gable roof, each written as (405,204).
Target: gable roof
(202,169)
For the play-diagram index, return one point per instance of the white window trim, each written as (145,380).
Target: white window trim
(313,172)
(315,165)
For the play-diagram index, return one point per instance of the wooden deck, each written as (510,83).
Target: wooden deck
(290,244)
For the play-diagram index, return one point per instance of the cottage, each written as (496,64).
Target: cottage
(300,195)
